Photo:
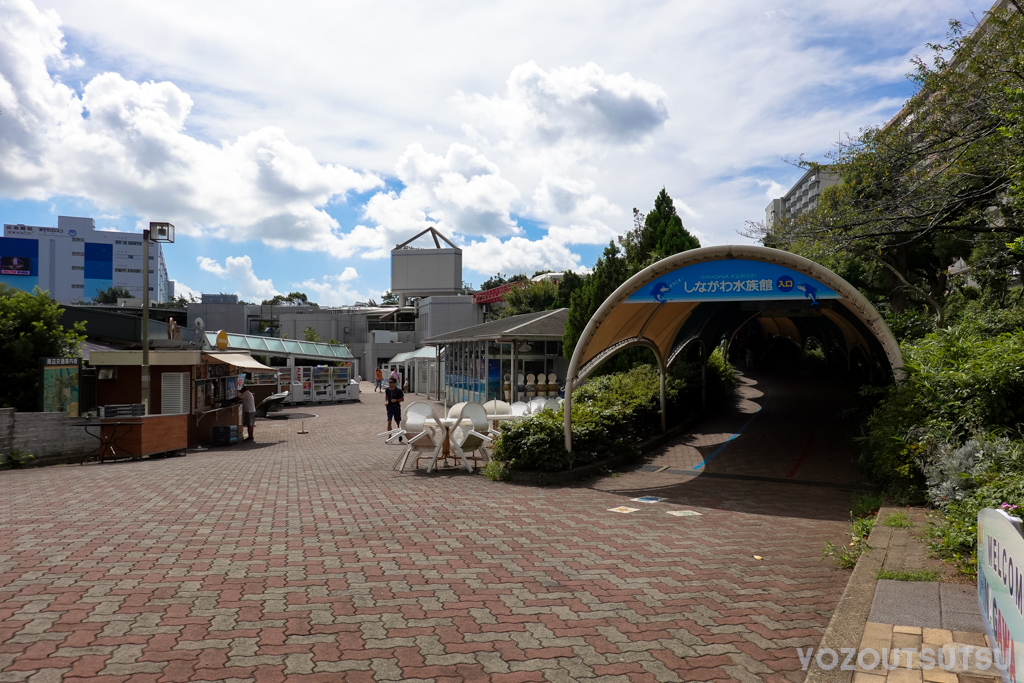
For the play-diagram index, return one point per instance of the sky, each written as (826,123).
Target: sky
(293,145)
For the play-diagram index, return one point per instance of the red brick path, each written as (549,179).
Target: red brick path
(304,557)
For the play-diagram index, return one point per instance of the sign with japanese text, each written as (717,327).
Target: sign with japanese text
(59,385)
(732,280)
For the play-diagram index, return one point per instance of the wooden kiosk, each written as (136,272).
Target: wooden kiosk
(192,392)
(119,380)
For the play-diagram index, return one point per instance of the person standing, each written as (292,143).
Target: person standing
(248,411)
(379,381)
(393,398)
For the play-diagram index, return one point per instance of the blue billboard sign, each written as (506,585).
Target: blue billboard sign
(19,262)
(732,280)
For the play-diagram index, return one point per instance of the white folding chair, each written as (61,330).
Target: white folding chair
(422,437)
(456,409)
(493,408)
(537,405)
(472,439)
(520,409)
(552,405)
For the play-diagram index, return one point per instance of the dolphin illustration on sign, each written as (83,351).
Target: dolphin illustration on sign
(659,290)
(810,292)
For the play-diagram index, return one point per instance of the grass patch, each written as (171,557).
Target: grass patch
(898,520)
(865,504)
(846,557)
(912,575)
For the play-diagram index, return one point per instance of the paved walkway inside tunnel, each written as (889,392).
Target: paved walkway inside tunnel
(304,557)
(785,448)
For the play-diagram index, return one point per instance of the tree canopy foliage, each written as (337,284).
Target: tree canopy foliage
(535,296)
(30,329)
(293,299)
(656,235)
(941,181)
(111,295)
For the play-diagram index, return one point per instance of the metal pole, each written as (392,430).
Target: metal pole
(662,374)
(515,377)
(145,320)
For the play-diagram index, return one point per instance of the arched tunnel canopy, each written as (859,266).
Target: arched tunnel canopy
(704,295)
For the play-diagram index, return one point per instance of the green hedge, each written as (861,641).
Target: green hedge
(950,432)
(611,416)
(960,382)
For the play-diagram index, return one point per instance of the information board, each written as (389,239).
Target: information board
(1001,588)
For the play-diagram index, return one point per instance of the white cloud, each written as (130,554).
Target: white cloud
(337,290)
(774,191)
(580,107)
(597,108)
(518,255)
(182,289)
(238,271)
(460,193)
(123,143)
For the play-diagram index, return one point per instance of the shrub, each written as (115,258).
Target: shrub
(720,377)
(15,460)
(984,472)
(960,380)
(611,416)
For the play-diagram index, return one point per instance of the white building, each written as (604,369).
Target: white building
(75,261)
(802,197)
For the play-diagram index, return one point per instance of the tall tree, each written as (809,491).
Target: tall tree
(610,271)
(926,187)
(656,235)
(30,329)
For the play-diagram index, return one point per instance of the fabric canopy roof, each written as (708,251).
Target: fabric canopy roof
(239,360)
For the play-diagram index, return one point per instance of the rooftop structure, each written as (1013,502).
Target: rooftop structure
(425,271)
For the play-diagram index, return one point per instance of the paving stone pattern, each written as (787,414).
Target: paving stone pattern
(304,557)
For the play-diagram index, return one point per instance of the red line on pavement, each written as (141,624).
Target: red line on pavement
(803,456)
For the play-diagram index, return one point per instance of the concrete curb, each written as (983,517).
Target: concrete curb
(846,629)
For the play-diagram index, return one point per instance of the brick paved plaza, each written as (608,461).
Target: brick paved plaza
(304,557)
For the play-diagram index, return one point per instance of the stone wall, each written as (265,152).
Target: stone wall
(51,437)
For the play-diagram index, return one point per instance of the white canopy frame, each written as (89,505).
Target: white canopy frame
(613,329)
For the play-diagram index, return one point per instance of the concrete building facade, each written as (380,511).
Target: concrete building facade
(802,197)
(374,334)
(74,261)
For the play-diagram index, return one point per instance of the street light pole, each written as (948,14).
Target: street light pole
(145,321)
(158,232)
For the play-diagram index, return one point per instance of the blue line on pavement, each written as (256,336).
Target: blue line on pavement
(746,424)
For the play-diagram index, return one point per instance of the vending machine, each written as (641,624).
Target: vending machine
(321,384)
(346,388)
(299,382)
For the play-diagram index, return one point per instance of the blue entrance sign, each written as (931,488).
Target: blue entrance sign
(1001,588)
(732,280)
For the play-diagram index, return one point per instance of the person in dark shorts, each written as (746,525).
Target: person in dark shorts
(393,398)
(248,411)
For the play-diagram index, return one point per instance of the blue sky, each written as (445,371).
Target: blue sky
(294,146)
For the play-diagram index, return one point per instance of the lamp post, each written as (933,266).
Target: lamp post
(158,232)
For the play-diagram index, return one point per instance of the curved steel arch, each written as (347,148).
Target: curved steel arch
(852,300)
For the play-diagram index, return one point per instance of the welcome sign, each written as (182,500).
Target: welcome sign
(1001,588)
(733,280)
